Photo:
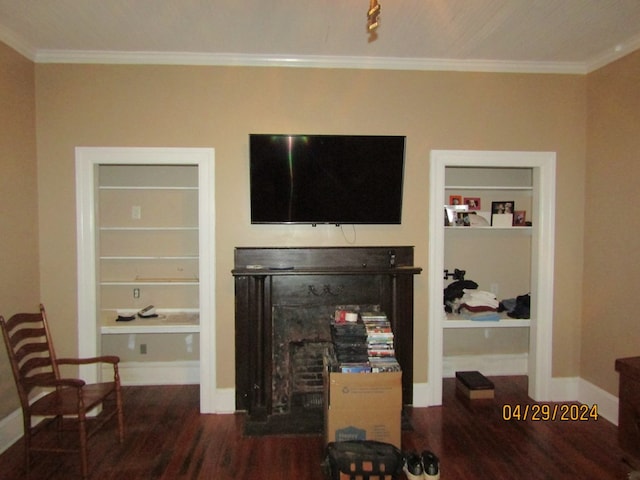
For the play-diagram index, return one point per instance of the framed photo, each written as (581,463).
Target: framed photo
(520,218)
(451,214)
(505,206)
(472,202)
(502,213)
(455,200)
(462,219)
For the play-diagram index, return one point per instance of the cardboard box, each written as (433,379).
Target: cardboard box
(363,406)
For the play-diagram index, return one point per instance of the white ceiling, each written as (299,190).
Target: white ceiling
(566,36)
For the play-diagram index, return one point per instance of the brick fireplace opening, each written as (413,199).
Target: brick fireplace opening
(301,337)
(301,340)
(285,300)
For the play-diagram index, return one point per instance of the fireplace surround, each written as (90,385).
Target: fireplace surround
(284,299)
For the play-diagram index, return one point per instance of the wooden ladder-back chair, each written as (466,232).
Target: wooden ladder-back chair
(44,393)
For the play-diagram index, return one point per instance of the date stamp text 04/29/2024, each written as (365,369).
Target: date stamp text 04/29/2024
(545,412)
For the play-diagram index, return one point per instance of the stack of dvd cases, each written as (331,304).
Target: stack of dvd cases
(364,345)
(350,346)
(380,347)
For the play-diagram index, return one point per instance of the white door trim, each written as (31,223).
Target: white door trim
(543,165)
(87,161)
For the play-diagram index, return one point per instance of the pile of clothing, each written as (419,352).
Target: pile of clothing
(519,307)
(479,305)
(464,298)
(453,294)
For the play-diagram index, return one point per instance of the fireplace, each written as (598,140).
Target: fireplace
(301,337)
(301,340)
(285,299)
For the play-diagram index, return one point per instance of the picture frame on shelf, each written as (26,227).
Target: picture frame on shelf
(451,214)
(474,203)
(502,220)
(502,213)
(520,218)
(503,206)
(455,200)
(462,219)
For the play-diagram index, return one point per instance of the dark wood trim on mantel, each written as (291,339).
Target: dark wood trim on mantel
(268,276)
(275,272)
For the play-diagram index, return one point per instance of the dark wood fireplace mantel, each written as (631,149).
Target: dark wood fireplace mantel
(307,277)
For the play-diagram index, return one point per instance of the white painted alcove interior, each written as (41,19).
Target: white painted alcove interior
(543,165)
(88,159)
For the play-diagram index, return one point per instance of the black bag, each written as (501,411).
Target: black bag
(363,460)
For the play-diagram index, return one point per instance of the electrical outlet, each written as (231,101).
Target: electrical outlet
(136,293)
(136,212)
(143,349)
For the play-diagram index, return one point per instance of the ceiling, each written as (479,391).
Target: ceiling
(563,36)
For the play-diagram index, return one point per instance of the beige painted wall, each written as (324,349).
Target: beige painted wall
(611,328)
(101,105)
(213,106)
(19,278)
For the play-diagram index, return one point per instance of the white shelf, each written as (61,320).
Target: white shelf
(506,322)
(149,257)
(489,187)
(173,322)
(147,229)
(133,187)
(185,281)
(523,228)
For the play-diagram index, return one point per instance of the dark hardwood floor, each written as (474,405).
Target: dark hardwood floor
(166,438)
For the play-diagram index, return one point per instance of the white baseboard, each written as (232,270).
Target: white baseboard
(156,373)
(563,389)
(589,394)
(11,429)
(489,365)
(576,389)
(420,394)
(225,401)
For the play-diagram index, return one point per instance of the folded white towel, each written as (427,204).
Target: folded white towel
(478,293)
(479,298)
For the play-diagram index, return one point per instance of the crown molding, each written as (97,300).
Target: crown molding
(308,61)
(18,43)
(614,54)
(314,61)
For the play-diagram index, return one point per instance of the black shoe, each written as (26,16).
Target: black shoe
(413,466)
(430,464)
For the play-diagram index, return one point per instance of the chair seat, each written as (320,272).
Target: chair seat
(65,400)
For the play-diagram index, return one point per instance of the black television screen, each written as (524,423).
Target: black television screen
(337,179)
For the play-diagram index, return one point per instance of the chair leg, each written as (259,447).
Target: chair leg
(27,441)
(60,427)
(82,430)
(120,414)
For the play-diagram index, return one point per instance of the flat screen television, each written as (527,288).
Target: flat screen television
(332,179)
